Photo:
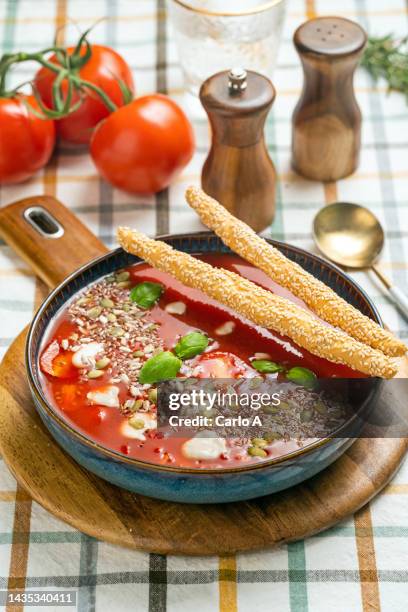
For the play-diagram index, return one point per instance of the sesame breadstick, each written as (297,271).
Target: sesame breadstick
(318,296)
(259,305)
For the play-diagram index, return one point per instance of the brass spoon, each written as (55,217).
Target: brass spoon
(351,236)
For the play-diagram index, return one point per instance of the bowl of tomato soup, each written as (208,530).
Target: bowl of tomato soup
(115,329)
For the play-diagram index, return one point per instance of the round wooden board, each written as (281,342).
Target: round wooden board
(108,513)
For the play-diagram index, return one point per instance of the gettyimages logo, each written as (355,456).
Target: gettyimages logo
(262,406)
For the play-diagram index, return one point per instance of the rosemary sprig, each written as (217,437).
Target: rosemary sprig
(388,57)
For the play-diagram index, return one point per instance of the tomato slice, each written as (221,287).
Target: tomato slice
(48,357)
(57,362)
(70,398)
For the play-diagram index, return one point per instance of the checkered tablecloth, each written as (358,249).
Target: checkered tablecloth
(362,563)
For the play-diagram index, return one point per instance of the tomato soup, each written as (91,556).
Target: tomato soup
(107,349)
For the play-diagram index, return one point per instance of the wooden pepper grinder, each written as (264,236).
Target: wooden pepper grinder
(238,171)
(327,119)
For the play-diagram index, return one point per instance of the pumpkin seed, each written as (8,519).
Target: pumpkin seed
(255,382)
(107,303)
(102,363)
(136,423)
(151,327)
(152,395)
(305,416)
(111,317)
(93,313)
(110,279)
(270,436)
(259,442)
(95,374)
(117,332)
(138,354)
(122,276)
(255,451)
(137,404)
(124,284)
(270,409)
(320,407)
(82,301)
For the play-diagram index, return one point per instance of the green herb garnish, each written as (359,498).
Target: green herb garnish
(387,57)
(146,294)
(302,376)
(265,366)
(163,366)
(191,345)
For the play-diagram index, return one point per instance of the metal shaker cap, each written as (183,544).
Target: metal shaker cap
(237,80)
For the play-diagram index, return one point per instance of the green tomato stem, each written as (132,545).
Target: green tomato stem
(56,91)
(104,97)
(9,59)
(66,70)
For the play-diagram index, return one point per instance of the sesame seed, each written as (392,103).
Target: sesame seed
(119,347)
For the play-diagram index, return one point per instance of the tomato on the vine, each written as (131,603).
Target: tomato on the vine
(26,141)
(105,68)
(143,146)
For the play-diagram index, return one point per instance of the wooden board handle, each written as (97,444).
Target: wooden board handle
(49,237)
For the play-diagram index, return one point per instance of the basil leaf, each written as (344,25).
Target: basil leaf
(265,366)
(146,294)
(302,376)
(159,367)
(191,345)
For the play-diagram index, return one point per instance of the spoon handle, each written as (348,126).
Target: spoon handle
(399,297)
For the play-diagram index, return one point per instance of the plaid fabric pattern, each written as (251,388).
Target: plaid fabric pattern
(361,564)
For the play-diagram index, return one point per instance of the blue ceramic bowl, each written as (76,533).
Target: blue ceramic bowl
(173,483)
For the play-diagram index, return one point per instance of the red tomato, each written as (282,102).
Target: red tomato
(56,362)
(104,68)
(26,141)
(144,145)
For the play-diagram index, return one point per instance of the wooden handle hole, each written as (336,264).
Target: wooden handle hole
(43,222)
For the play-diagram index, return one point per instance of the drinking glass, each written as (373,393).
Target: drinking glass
(211,38)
